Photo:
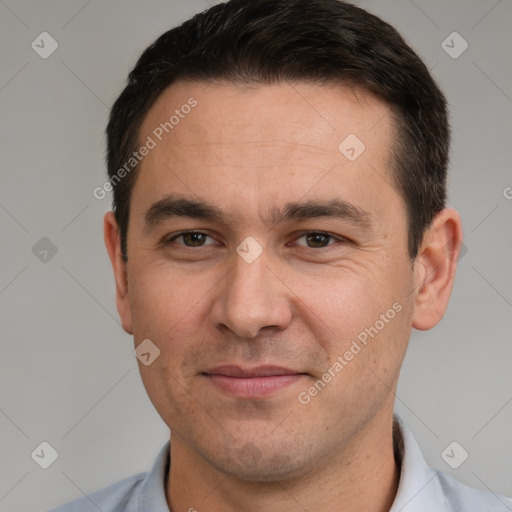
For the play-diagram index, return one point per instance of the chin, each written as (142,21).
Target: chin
(253,463)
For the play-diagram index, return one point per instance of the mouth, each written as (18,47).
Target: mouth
(258,382)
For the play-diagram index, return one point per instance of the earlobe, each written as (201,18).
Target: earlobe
(113,245)
(435,268)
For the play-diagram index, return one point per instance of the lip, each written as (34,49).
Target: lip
(258,382)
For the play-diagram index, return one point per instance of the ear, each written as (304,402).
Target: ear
(113,244)
(435,267)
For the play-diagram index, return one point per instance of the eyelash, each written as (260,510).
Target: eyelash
(303,233)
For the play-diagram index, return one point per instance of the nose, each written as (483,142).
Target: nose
(251,297)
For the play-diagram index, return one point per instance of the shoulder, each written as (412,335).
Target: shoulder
(463,497)
(121,496)
(424,489)
(144,491)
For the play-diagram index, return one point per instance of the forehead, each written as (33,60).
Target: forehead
(265,144)
(318,116)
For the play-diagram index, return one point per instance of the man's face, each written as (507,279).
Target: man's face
(307,301)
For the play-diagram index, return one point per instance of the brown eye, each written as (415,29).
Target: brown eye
(316,239)
(191,239)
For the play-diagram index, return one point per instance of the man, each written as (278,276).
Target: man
(279,227)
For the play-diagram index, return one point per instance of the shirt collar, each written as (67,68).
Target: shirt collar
(152,496)
(418,488)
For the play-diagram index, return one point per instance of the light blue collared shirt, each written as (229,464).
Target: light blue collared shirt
(421,488)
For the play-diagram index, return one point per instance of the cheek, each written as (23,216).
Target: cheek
(363,321)
(166,307)
(163,300)
(352,297)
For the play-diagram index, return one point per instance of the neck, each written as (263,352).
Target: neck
(361,476)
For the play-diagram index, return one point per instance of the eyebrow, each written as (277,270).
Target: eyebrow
(177,206)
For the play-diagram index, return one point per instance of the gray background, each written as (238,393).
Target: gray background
(68,374)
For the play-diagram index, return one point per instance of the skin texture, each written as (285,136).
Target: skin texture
(299,305)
